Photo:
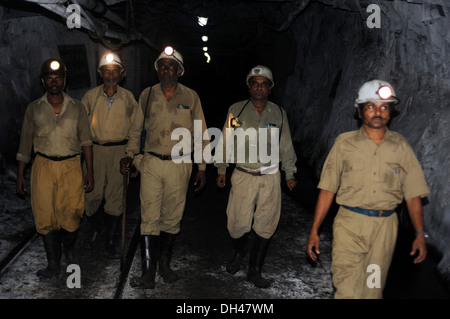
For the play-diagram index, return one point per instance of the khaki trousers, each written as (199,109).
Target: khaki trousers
(360,241)
(164,186)
(254,199)
(57,194)
(108,181)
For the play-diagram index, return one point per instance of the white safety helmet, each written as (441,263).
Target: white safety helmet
(110,58)
(376,91)
(172,54)
(260,70)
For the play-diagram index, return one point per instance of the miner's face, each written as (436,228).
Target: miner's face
(54,83)
(375,114)
(111,74)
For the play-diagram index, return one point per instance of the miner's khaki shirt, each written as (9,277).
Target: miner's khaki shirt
(115,122)
(370,176)
(164,117)
(272,117)
(51,134)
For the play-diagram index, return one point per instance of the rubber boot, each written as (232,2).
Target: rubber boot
(53,250)
(167,242)
(69,240)
(149,263)
(257,257)
(97,225)
(240,250)
(111,223)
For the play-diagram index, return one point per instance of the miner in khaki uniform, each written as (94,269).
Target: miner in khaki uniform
(255,196)
(164,167)
(371,171)
(57,127)
(115,121)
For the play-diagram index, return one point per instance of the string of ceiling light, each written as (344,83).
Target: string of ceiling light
(203,21)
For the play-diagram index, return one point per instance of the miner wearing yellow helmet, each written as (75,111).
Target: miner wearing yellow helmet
(371,171)
(57,128)
(115,120)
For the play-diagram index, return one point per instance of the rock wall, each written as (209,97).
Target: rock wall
(337,52)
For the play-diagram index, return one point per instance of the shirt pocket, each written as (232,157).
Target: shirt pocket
(352,174)
(182,117)
(393,174)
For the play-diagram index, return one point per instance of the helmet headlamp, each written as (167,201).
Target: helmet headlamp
(54,65)
(110,58)
(384,92)
(168,51)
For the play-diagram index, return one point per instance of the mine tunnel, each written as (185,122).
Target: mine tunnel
(320,53)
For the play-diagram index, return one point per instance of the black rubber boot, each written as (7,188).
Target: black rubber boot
(166,242)
(53,250)
(240,250)
(257,257)
(149,263)
(97,225)
(111,223)
(69,240)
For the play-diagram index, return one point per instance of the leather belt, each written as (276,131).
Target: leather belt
(253,173)
(369,212)
(122,142)
(169,157)
(161,157)
(57,158)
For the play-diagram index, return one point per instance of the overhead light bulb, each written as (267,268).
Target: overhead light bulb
(204,38)
(202,21)
(208,57)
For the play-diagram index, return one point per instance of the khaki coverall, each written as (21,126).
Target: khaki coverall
(115,128)
(57,193)
(375,177)
(164,183)
(249,191)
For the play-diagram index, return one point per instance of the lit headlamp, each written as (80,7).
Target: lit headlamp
(54,65)
(168,51)
(110,58)
(384,92)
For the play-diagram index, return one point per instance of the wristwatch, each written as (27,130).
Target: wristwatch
(423,233)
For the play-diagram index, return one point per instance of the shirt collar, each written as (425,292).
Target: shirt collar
(363,134)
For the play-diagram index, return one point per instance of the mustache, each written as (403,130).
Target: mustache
(376,117)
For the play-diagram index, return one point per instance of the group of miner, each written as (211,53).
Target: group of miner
(81,151)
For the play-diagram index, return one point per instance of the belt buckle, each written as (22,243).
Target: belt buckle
(380,214)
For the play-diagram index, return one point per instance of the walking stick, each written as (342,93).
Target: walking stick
(124,215)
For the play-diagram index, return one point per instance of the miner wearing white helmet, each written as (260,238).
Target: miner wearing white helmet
(115,121)
(371,171)
(56,128)
(165,173)
(255,196)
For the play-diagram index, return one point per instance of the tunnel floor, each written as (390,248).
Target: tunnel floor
(202,249)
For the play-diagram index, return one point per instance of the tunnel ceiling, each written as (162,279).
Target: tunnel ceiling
(234,27)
